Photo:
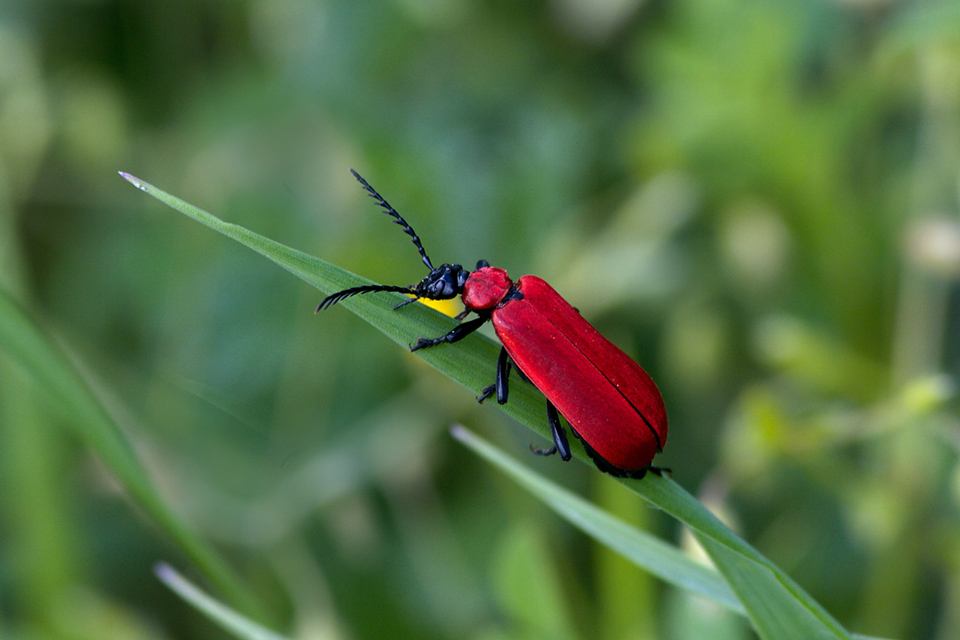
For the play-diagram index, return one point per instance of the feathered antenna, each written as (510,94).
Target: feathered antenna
(331,300)
(442,275)
(398,219)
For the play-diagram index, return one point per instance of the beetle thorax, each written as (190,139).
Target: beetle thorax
(485,288)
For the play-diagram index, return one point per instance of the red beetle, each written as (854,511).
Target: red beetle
(611,403)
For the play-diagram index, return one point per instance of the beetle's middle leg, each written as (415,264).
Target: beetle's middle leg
(501,382)
(502,388)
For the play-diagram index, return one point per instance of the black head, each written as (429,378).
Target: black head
(443,282)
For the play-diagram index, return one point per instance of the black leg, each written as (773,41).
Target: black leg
(500,384)
(459,332)
(560,443)
(559,435)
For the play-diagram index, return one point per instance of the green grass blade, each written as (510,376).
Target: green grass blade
(639,547)
(661,559)
(471,364)
(775,604)
(28,345)
(227,618)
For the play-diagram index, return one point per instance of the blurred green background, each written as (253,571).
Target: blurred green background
(757,200)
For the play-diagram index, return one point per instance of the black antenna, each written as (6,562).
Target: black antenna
(398,219)
(331,300)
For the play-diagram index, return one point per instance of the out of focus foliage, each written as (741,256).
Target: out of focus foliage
(758,200)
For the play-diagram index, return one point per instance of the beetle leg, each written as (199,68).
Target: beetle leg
(559,435)
(459,332)
(503,376)
(500,382)
(560,443)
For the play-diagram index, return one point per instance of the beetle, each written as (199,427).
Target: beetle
(610,402)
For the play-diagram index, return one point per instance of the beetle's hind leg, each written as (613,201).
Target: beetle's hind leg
(560,444)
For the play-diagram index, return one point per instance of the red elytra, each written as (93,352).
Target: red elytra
(611,403)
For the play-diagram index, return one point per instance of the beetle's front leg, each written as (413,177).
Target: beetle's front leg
(459,332)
